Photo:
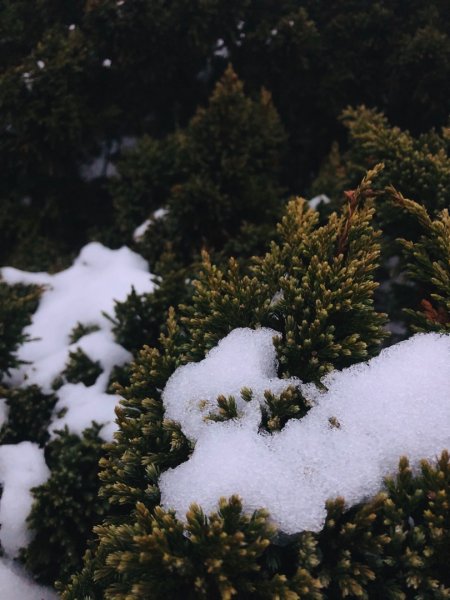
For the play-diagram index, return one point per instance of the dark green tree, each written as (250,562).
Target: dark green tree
(218,179)
(227,164)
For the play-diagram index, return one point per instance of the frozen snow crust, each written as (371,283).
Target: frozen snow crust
(396,404)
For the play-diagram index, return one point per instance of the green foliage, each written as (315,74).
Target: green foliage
(145,174)
(29,415)
(227,170)
(428,263)
(419,166)
(326,279)
(66,507)
(346,251)
(395,546)
(65,114)
(276,410)
(17,304)
(81,369)
(120,376)
(219,558)
(223,301)
(321,57)
(279,408)
(315,287)
(80,330)
(140,318)
(62,109)
(219,181)
(145,443)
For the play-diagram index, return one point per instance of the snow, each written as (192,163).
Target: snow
(160,213)
(245,358)
(139,232)
(22,467)
(80,294)
(317,200)
(3,411)
(84,405)
(28,80)
(141,229)
(221,49)
(396,404)
(15,584)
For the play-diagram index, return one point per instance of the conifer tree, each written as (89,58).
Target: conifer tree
(417,165)
(227,173)
(80,80)
(29,415)
(315,286)
(218,179)
(138,541)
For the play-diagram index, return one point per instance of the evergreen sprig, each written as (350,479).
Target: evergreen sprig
(428,263)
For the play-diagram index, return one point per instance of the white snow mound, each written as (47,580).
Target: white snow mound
(80,294)
(396,404)
(22,467)
(15,584)
(245,358)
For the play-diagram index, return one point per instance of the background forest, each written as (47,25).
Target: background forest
(179,178)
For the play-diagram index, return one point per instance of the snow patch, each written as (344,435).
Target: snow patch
(80,294)
(82,405)
(22,467)
(396,404)
(245,358)
(317,200)
(3,411)
(15,584)
(139,232)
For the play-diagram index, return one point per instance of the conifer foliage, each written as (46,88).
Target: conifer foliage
(315,286)
(419,166)
(66,507)
(200,122)
(17,303)
(219,183)
(223,174)
(311,265)
(428,263)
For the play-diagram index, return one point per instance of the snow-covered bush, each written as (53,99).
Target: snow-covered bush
(193,427)
(57,384)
